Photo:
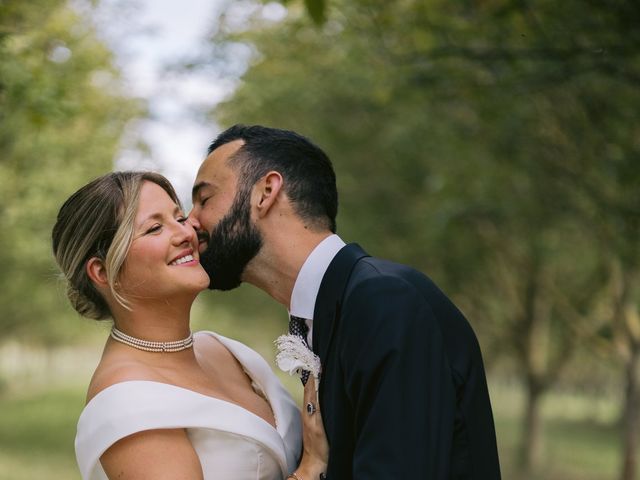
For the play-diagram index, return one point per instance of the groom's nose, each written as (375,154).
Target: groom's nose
(193,221)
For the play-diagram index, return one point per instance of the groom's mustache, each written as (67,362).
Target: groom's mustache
(203,238)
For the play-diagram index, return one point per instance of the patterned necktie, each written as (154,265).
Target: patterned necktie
(298,326)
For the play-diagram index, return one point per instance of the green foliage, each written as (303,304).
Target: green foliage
(316,9)
(491,144)
(62,114)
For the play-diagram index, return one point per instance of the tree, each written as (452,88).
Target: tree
(491,135)
(62,115)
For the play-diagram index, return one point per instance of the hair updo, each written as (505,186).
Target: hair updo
(97,221)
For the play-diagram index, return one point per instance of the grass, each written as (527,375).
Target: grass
(37,430)
(581,440)
(37,433)
(574,450)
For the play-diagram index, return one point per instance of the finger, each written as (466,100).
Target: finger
(310,393)
(312,413)
(310,389)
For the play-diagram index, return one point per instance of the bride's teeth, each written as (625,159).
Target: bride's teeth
(182,260)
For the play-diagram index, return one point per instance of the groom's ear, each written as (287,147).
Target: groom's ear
(266,191)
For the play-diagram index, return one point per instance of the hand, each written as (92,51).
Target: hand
(316,448)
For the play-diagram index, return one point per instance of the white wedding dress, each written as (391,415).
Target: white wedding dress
(231,442)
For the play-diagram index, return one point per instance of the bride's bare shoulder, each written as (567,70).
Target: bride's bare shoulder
(113,369)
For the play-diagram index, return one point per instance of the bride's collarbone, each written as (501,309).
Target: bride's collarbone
(212,371)
(228,384)
(224,379)
(222,376)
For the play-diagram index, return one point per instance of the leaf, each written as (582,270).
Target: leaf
(316,9)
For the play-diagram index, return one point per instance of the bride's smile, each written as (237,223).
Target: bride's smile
(163,260)
(164,401)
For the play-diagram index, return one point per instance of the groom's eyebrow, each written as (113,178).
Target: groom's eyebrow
(197,187)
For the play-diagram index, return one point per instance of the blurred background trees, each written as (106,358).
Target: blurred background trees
(493,144)
(62,115)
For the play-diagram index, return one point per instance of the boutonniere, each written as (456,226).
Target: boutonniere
(294,356)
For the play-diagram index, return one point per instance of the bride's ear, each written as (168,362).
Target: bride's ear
(266,191)
(97,272)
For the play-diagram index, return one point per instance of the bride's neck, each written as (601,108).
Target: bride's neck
(157,321)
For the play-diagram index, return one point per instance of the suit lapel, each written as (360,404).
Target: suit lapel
(328,302)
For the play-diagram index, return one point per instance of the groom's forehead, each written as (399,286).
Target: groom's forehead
(218,159)
(215,169)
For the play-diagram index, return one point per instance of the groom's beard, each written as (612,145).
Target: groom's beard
(233,243)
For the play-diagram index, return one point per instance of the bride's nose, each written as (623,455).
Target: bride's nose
(184,234)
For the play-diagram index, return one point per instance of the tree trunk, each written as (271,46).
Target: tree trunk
(531,446)
(536,358)
(630,417)
(627,321)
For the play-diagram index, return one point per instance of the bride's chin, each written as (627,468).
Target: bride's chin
(197,290)
(204,285)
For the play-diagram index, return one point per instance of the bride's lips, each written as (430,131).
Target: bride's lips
(185,257)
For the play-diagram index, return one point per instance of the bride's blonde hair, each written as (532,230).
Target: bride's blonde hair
(97,221)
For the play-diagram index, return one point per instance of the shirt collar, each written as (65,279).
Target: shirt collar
(305,290)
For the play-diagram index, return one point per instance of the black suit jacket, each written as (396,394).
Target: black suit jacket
(403,389)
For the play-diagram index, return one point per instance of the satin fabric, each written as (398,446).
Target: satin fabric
(231,442)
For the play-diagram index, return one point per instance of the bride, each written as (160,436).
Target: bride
(165,403)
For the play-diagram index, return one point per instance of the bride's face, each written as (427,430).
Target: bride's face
(163,260)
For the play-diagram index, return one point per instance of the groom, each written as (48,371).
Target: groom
(403,391)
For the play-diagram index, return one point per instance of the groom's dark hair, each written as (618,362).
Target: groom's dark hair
(309,179)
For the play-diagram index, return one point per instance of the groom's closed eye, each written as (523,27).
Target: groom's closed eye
(202,193)
(197,193)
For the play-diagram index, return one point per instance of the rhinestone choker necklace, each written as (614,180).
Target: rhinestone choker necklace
(149,346)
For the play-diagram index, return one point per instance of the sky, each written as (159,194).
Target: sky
(148,35)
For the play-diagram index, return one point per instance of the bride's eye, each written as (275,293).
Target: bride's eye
(182,219)
(155,228)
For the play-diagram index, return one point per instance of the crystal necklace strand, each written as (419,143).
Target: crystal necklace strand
(149,346)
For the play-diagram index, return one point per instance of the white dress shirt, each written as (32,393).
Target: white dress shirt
(305,290)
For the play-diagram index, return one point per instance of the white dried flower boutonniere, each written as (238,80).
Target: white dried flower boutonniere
(294,356)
